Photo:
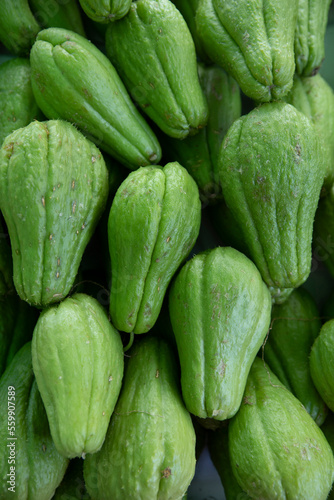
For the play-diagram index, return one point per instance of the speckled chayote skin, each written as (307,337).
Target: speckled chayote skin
(73,80)
(199,153)
(220,313)
(276,448)
(17,103)
(272,169)
(53,190)
(295,326)
(321,363)
(105,11)
(154,53)
(315,98)
(39,468)
(153,224)
(18,26)
(149,451)
(253,40)
(310,35)
(77,358)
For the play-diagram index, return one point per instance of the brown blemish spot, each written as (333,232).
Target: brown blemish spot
(43,201)
(58,261)
(168,239)
(110,378)
(73,184)
(151,85)
(93,159)
(157,374)
(103,413)
(83,226)
(17,251)
(57,274)
(50,237)
(9,148)
(222,369)
(74,205)
(166,472)
(247,401)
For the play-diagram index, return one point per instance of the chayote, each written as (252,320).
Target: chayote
(321,363)
(220,313)
(58,14)
(271,170)
(149,451)
(276,448)
(6,265)
(30,466)
(53,189)
(18,26)
(295,326)
(77,358)
(310,35)
(253,40)
(73,80)
(315,98)
(17,103)
(199,153)
(153,224)
(154,53)
(105,11)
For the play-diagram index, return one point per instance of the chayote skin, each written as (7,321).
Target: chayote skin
(72,79)
(6,264)
(271,171)
(18,26)
(295,326)
(199,154)
(321,363)
(276,448)
(153,224)
(77,358)
(17,103)
(39,468)
(53,189)
(220,313)
(315,98)
(105,11)
(219,453)
(154,53)
(253,40)
(58,14)
(188,9)
(310,35)
(149,451)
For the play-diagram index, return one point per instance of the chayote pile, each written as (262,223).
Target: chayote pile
(166,248)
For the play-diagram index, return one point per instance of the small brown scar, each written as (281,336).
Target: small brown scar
(168,239)
(166,472)
(157,374)
(43,201)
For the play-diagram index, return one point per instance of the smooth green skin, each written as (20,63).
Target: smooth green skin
(220,313)
(17,103)
(188,9)
(154,53)
(17,321)
(219,453)
(58,14)
(149,451)
(277,451)
(253,41)
(73,80)
(153,224)
(295,326)
(53,190)
(38,466)
(6,266)
(321,363)
(105,11)
(78,363)
(271,171)
(310,35)
(315,98)
(18,26)
(328,429)
(199,153)
(323,236)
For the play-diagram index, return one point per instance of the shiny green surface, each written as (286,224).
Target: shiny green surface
(78,364)
(321,363)
(276,449)
(18,26)
(73,80)
(58,14)
(53,189)
(153,51)
(295,326)
(149,451)
(153,225)
(252,40)
(105,11)
(220,314)
(272,170)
